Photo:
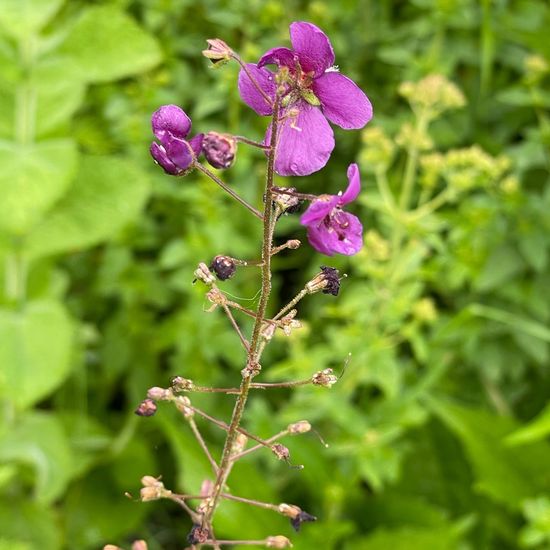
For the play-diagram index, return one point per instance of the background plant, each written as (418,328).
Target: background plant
(437,429)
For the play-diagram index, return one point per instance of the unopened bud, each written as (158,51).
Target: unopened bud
(267,331)
(111,547)
(325,378)
(239,445)
(278,542)
(152,489)
(139,545)
(202,273)
(224,267)
(218,52)
(219,149)
(179,383)
(293,244)
(183,404)
(159,394)
(327,281)
(146,408)
(301,427)
(280,451)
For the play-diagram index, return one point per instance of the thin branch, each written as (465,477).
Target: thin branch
(238,456)
(291,304)
(244,341)
(259,145)
(265,505)
(268,100)
(202,444)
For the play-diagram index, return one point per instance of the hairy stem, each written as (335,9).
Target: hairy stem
(260,314)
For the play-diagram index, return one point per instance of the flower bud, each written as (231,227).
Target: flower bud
(139,545)
(159,394)
(296,514)
(179,383)
(224,267)
(240,444)
(152,489)
(146,408)
(183,405)
(288,323)
(219,149)
(325,378)
(328,281)
(287,203)
(111,547)
(301,427)
(278,542)
(202,273)
(218,52)
(280,451)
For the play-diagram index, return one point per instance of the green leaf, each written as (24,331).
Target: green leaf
(35,345)
(28,522)
(506,474)
(32,178)
(106,195)
(536,430)
(38,439)
(107,44)
(20,18)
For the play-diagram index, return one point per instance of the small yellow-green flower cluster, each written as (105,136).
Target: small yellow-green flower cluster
(377,155)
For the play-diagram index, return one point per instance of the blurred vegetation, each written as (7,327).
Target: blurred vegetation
(439,428)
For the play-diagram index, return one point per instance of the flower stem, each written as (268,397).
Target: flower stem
(227,189)
(260,314)
(268,100)
(259,145)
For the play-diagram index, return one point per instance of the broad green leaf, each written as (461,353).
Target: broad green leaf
(536,430)
(29,523)
(507,474)
(107,44)
(20,18)
(107,194)
(32,178)
(35,346)
(38,440)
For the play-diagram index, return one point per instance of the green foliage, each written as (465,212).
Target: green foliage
(438,429)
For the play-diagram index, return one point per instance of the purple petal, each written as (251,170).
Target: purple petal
(170,119)
(196,144)
(180,153)
(312,46)
(343,235)
(319,209)
(280,57)
(250,93)
(161,158)
(305,141)
(354,185)
(342,101)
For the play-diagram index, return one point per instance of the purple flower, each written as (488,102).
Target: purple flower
(331,230)
(174,153)
(314,92)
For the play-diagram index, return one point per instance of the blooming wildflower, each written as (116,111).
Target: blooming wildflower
(331,230)
(175,154)
(314,92)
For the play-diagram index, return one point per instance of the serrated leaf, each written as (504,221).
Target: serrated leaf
(38,439)
(106,195)
(35,346)
(107,44)
(32,179)
(20,18)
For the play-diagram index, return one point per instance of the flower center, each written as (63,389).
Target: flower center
(299,87)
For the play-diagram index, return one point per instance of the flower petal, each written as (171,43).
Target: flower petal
(305,141)
(250,93)
(180,153)
(196,144)
(354,185)
(333,238)
(312,46)
(280,57)
(170,119)
(161,158)
(319,209)
(342,101)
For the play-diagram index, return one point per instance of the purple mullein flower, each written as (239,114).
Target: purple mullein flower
(331,230)
(175,154)
(314,92)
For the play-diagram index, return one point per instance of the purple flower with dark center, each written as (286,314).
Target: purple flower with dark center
(331,230)
(174,153)
(314,92)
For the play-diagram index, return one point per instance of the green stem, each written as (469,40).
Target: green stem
(252,355)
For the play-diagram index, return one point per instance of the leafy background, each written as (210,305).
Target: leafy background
(439,429)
